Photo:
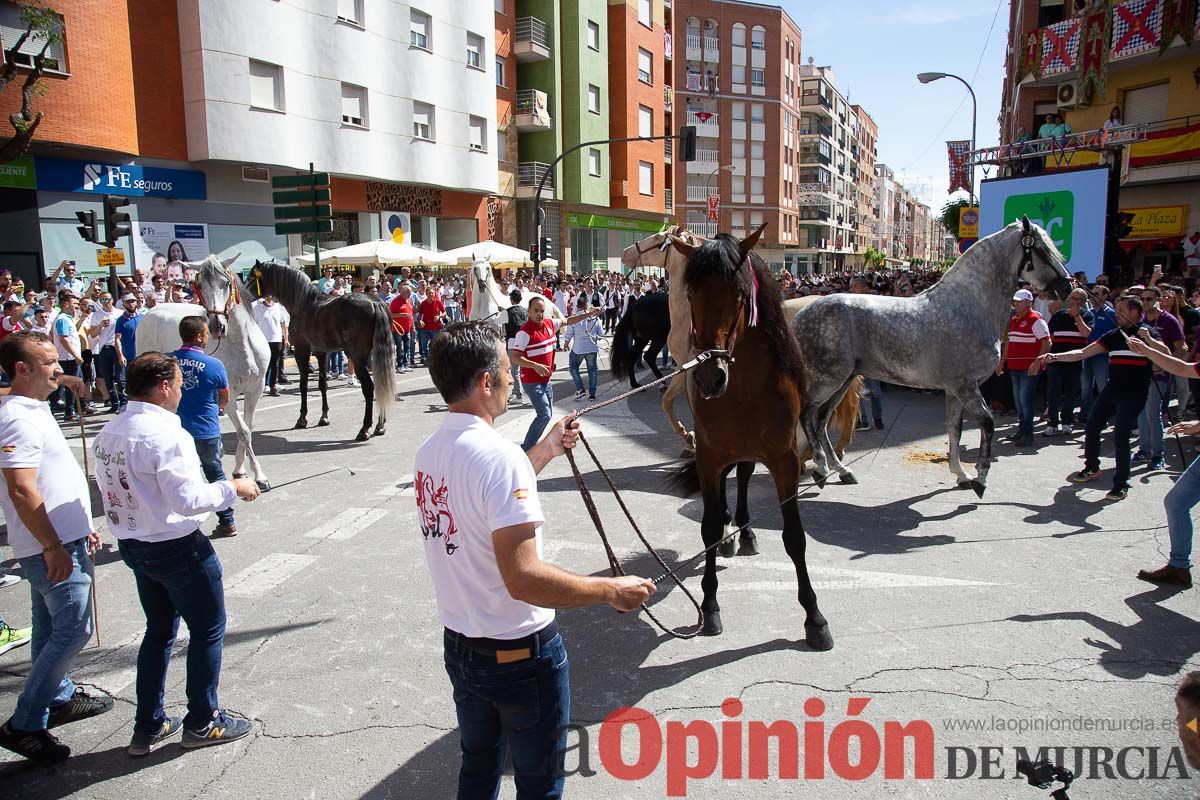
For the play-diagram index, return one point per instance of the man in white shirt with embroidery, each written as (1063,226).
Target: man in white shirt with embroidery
(481,521)
(155,498)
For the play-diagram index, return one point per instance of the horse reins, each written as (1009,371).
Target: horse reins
(229,302)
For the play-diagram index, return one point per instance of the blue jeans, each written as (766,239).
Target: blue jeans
(1150,425)
(62,393)
(425,337)
(573,362)
(541,397)
(523,706)
(210,452)
(1064,383)
(404,348)
(337,362)
(177,578)
(1024,387)
(1125,407)
(875,393)
(113,374)
(1094,377)
(1179,503)
(62,625)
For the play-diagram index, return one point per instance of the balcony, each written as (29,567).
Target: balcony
(533,113)
(529,173)
(706,229)
(668,150)
(706,161)
(692,43)
(811,155)
(706,123)
(813,213)
(712,49)
(668,44)
(696,192)
(819,129)
(532,40)
(817,102)
(668,99)
(668,199)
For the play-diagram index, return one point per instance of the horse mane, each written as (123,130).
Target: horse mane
(722,256)
(294,287)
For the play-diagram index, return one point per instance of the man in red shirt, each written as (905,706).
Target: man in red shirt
(432,316)
(402,328)
(533,351)
(1028,338)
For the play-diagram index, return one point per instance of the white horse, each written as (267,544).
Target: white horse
(488,301)
(237,342)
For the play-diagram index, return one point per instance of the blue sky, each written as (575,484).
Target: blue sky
(876,49)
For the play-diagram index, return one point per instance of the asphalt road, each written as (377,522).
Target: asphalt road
(1011,621)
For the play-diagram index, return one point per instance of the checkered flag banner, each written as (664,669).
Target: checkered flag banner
(1136,27)
(960,175)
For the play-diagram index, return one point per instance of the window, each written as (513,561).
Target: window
(418,35)
(593,98)
(756,149)
(500,71)
(594,162)
(593,34)
(350,11)
(266,86)
(474,51)
(354,105)
(756,188)
(502,145)
(757,112)
(11,28)
(758,38)
(645,177)
(758,77)
(739,35)
(738,110)
(645,121)
(478,133)
(645,66)
(423,121)
(739,148)
(499,6)
(738,75)
(645,12)
(737,220)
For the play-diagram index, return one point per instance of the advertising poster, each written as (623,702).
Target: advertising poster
(396,225)
(178,241)
(1070,205)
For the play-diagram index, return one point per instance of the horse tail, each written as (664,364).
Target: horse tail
(685,480)
(383,360)
(621,357)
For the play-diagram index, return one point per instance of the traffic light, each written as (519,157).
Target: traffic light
(547,248)
(687,143)
(117,224)
(90,229)
(533,253)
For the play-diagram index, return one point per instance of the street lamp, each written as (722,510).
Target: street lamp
(930,77)
(708,180)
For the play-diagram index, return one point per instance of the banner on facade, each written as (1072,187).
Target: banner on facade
(1031,56)
(396,225)
(968,223)
(1093,54)
(714,205)
(960,174)
(1157,222)
(176,241)
(579,220)
(1179,19)
(18,174)
(127,180)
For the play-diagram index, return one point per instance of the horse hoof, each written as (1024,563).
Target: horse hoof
(979,488)
(747,545)
(712,624)
(263,486)
(362,436)
(819,478)
(688,452)
(818,637)
(322,422)
(301,423)
(847,478)
(964,483)
(379,432)
(727,548)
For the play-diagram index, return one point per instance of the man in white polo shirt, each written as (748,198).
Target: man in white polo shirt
(46,504)
(477,503)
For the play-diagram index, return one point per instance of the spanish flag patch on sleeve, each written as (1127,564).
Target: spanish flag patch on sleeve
(521,494)
(8,448)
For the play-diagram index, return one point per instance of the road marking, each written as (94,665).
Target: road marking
(346,524)
(837,578)
(267,573)
(404,488)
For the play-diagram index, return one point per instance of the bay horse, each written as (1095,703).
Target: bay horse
(646,322)
(323,324)
(947,337)
(236,341)
(746,399)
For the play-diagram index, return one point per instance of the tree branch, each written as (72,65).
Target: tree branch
(24,121)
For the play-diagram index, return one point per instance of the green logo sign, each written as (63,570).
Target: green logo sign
(1054,211)
(18,174)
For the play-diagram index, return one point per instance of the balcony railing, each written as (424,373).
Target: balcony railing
(706,229)
(529,173)
(810,156)
(668,199)
(531,41)
(696,193)
(693,45)
(813,213)
(668,149)
(699,118)
(668,44)
(533,112)
(712,48)
(808,99)
(820,129)
(694,82)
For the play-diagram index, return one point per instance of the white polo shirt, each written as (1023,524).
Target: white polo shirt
(31,437)
(271,319)
(107,336)
(149,474)
(470,482)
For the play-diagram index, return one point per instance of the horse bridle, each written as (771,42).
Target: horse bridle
(229,301)
(667,244)
(744,300)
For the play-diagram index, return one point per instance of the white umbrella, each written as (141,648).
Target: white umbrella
(379,252)
(406,255)
(497,254)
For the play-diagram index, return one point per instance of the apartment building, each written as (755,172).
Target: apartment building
(503,211)
(188,109)
(863,153)
(1151,75)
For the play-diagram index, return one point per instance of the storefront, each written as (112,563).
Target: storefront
(597,241)
(1157,235)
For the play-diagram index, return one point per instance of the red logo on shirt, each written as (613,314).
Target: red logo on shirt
(434,508)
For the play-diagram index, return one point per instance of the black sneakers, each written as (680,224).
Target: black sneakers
(81,706)
(39,746)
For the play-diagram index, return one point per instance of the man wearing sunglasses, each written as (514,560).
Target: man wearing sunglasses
(1150,424)
(102,328)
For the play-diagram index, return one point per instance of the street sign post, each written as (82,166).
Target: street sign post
(304,207)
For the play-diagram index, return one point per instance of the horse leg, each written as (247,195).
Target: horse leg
(809,416)
(981,413)
(954,423)
(827,411)
(368,390)
(323,385)
(302,364)
(747,541)
(651,356)
(786,472)
(726,549)
(244,423)
(675,387)
(639,345)
(711,527)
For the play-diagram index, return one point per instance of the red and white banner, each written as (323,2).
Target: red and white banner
(960,175)
(714,205)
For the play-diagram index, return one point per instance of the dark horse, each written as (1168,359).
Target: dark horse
(647,320)
(323,324)
(746,400)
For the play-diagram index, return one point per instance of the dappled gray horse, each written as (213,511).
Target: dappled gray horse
(947,337)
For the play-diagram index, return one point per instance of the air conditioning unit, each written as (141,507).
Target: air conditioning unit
(256,174)
(1069,95)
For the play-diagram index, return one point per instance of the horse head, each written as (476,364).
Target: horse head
(481,271)
(256,279)
(654,250)
(722,292)
(216,289)
(1041,262)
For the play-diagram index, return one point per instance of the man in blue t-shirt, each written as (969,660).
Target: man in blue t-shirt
(125,336)
(204,395)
